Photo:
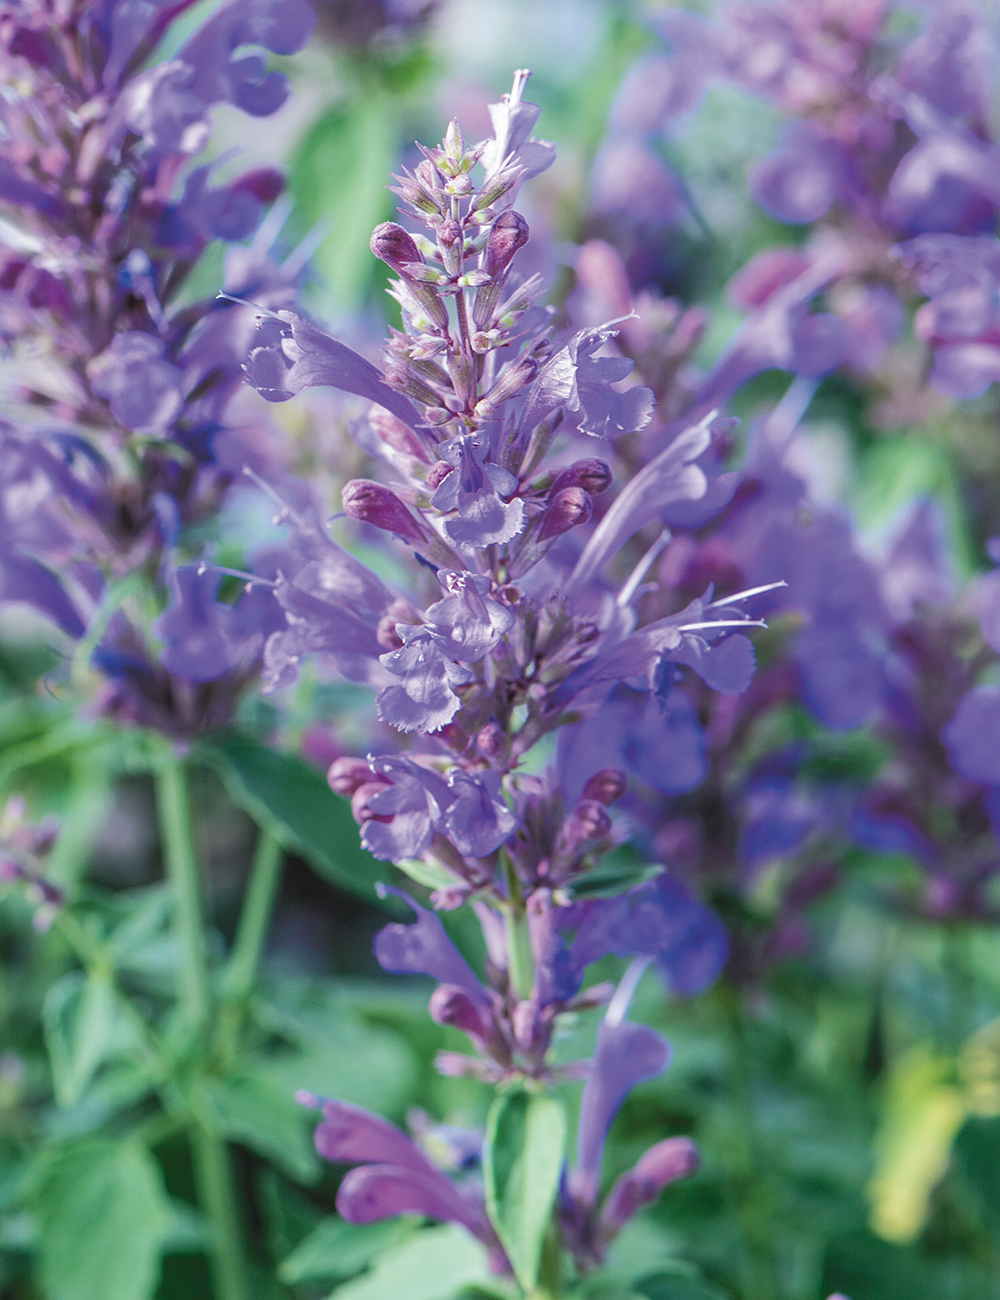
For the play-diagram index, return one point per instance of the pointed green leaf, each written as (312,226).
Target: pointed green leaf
(607,881)
(522,1161)
(81,1030)
(295,803)
(102,1216)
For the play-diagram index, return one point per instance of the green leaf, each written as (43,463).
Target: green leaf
(430,1265)
(83,1028)
(336,1250)
(522,1160)
(338,176)
(295,803)
(263,1115)
(102,1215)
(607,881)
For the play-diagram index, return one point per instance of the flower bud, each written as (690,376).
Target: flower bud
(347,774)
(451,1005)
(589,820)
(393,245)
(449,233)
(264,183)
(437,474)
(386,634)
(566,509)
(361,810)
(395,433)
(373,503)
(509,233)
(606,786)
(512,379)
(593,475)
(492,740)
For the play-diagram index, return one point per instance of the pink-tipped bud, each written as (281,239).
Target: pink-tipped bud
(347,774)
(593,475)
(509,233)
(606,786)
(386,634)
(451,1005)
(589,820)
(264,183)
(664,1163)
(395,433)
(566,509)
(437,474)
(449,233)
(492,740)
(393,245)
(361,809)
(374,503)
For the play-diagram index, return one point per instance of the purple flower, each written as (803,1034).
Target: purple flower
(397,1177)
(806,175)
(473,489)
(426,700)
(478,821)
(414,798)
(971,736)
(293,354)
(627,1054)
(145,391)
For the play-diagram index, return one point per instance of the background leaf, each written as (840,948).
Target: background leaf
(522,1160)
(336,1250)
(294,801)
(429,1266)
(102,1216)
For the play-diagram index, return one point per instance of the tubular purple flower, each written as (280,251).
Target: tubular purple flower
(375,1192)
(664,1163)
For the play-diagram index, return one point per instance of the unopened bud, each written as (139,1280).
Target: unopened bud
(386,634)
(451,1005)
(566,509)
(400,376)
(373,503)
(393,245)
(361,809)
(449,233)
(395,433)
(454,141)
(347,774)
(606,786)
(509,233)
(593,475)
(492,740)
(264,183)
(589,820)
(496,187)
(512,379)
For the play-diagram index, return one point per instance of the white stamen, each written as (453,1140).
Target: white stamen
(642,568)
(745,595)
(618,1005)
(249,578)
(261,311)
(724,622)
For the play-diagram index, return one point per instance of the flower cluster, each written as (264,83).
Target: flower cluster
(121,435)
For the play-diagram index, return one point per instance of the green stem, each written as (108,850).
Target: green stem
(217,1195)
(251,932)
(255,918)
(174,809)
(520,962)
(213,1171)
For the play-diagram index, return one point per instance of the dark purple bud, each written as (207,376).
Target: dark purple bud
(374,503)
(386,634)
(393,245)
(361,809)
(567,508)
(589,820)
(606,786)
(492,740)
(29,43)
(449,233)
(664,1163)
(264,183)
(509,233)
(450,1005)
(593,475)
(347,775)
